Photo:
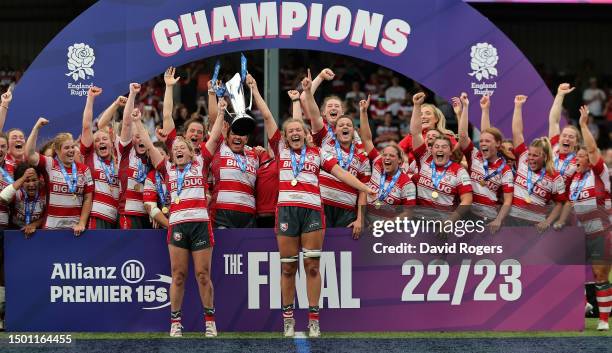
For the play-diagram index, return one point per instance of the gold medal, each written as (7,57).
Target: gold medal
(528,199)
(138,188)
(177,200)
(294,182)
(482,182)
(165,210)
(378,204)
(434,194)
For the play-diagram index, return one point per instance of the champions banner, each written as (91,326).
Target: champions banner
(445,45)
(119,281)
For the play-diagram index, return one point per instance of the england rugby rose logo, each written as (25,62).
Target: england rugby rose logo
(80,60)
(484,58)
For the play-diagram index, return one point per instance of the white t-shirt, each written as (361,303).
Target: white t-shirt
(596,106)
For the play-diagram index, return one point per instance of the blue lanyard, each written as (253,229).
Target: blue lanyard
(161,193)
(297,168)
(29,206)
(384,192)
(330,132)
(530,186)
(6,176)
(566,162)
(180,178)
(108,171)
(435,177)
(242,163)
(142,171)
(342,164)
(71,181)
(488,176)
(576,192)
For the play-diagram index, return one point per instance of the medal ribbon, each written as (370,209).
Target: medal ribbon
(435,177)
(180,178)
(242,163)
(6,176)
(141,173)
(566,162)
(70,180)
(297,168)
(161,193)
(349,158)
(488,176)
(109,171)
(384,192)
(29,206)
(530,186)
(576,192)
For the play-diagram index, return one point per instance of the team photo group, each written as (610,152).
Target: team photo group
(319,168)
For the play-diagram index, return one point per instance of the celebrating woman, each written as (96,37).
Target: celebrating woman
(189,228)
(442,184)
(28,200)
(393,185)
(537,184)
(565,142)
(69,184)
(97,151)
(340,201)
(134,166)
(299,217)
(492,179)
(589,194)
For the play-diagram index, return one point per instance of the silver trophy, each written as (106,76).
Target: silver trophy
(242,123)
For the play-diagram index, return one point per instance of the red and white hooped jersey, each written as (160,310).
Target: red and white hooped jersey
(18,209)
(550,188)
(10,163)
(403,192)
(130,202)
(306,193)
(193,205)
(106,195)
(323,139)
(150,190)
(593,206)
(333,191)
(486,199)
(455,183)
(571,167)
(233,189)
(266,187)
(64,210)
(4,210)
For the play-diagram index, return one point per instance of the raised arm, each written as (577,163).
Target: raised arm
(416,121)
(269,123)
(587,136)
(170,80)
(464,138)
(485,105)
(30,146)
(326,74)
(212,105)
(296,106)
(154,154)
(554,116)
(109,113)
(350,180)
(5,101)
(517,120)
(126,125)
(87,129)
(310,106)
(364,125)
(214,139)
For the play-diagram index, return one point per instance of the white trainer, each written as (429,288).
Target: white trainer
(176,329)
(314,329)
(603,326)
(211,329)
(289,327)
(588,308)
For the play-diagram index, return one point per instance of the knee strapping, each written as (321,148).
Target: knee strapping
(289,259)
(311,254)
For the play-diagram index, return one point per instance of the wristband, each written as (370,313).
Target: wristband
(295,100)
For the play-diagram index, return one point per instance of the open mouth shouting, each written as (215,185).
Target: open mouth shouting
(179,157)
(334,114)
(440,157)
(19,146)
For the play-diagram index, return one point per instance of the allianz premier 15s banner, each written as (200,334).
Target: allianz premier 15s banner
(386,281)
(445,45)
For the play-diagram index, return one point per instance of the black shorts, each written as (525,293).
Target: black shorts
(266,221)
(294,221)
(99,223)
(134,222)
(338,217)
(599,248)
(192,236)
(233,219)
